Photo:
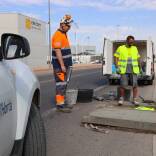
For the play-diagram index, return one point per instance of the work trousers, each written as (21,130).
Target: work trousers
(126,78)
(61,85)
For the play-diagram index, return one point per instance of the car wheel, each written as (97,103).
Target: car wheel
(34,140)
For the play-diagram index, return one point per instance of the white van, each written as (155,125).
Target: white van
(146,51)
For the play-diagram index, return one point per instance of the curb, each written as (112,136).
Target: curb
(100,89)
(143,121)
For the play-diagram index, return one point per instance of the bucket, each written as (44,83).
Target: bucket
(85,95)
(71,96)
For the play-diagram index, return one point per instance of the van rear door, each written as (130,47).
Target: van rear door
(107,57)
(149,58)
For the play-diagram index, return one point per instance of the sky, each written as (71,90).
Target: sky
(94,19)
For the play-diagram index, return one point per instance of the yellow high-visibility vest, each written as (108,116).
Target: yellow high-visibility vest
(123,54)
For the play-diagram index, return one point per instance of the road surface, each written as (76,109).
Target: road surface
(66,136)
(81,79)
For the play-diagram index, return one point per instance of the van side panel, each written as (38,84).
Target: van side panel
(149,58)
(108,57)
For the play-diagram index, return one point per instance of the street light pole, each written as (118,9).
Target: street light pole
(49,23)
(76,46)
(117,31)
(75,35)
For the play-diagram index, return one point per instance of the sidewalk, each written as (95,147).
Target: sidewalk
(65,131)
(125,116)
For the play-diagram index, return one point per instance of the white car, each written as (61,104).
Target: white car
(22,131)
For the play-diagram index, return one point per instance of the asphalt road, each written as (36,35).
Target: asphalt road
(66,136)
(81,79)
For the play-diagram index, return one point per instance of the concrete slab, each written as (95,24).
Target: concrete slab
(124,118)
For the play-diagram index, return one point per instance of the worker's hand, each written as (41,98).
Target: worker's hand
(63,68)
(117,70)
(141,71)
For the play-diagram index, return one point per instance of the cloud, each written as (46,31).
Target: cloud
(109,5)
(21,2)
(106,31)
(36,2)
(66,3)
(113,32)
(97,4)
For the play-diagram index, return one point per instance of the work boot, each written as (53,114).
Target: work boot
(63,109)
(121,101)
(135,102)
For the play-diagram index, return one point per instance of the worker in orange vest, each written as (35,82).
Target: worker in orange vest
(61,61)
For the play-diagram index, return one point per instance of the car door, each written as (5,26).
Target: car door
(7,110)
(107,57)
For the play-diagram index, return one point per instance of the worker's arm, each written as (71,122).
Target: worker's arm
(116,56)
(116,61)
(139,62)
(140,66)
(60,59)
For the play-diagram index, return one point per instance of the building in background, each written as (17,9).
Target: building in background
(83,53)
(36,31)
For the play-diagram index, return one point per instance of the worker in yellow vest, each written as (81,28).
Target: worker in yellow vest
(127,64)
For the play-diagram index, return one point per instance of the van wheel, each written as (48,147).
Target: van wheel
(110,81)
(142,82)
(153,77)
(150,82)
(34,140)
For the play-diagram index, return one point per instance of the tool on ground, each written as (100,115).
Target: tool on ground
(69,72)
(110,96)
(96,128)
(146,101)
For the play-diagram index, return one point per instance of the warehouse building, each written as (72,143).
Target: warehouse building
(34,30)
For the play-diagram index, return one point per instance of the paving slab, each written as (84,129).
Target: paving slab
(124,118)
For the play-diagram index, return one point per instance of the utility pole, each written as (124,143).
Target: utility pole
(76,45)
(49,24)
(117,31)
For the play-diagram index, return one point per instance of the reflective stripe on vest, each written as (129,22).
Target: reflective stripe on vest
(66,56)
(123,59)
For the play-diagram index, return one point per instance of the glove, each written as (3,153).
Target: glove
(141,71)
(118,70)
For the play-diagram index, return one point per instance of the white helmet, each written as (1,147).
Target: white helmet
(67,19)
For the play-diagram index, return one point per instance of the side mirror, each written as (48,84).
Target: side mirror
(14,46)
